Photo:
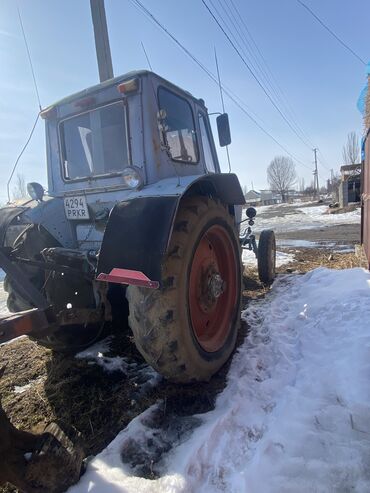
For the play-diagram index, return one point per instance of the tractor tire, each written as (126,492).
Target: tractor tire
(186,330)
(266,256)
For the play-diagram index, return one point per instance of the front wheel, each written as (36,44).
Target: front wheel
(266,256)
(187,329)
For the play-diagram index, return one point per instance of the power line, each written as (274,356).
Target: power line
(236,99)
(29,59)
(223,105)
(324,163)
(250,55)
(264,67)
(254,75)
(332,32)
(20,155)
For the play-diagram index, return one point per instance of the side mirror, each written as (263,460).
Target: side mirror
(223,128)
(35,191)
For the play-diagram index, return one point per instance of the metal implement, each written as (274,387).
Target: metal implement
(131,277)
(22,283)
(25,323)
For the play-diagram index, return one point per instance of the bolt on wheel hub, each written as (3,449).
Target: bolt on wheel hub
(216,286)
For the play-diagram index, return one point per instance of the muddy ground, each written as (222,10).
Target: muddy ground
(342,234)
(98,404)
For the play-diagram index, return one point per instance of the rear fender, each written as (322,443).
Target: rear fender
(139,230)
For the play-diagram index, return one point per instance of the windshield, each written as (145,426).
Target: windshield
(95,142)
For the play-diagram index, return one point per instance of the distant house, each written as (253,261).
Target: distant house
(350,185)
(269,197)
(252,198)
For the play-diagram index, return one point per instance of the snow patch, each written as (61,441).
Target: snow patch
(143,376)
(282,258)
(3,297)
(96,354)
(19,389)
(301,218)
(295,414)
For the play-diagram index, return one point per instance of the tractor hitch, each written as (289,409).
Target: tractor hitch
(30,322)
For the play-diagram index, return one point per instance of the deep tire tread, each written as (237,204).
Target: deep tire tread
(155,325)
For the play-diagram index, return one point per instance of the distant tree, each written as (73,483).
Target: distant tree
(20,189)
(281,175)
(351,150)
(334,186)
(245,190)
(309,191)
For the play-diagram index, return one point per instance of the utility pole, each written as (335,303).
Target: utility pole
(102,47)
(316,176)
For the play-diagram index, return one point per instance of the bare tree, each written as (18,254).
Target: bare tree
(281,175)
(351,150)
(20,189)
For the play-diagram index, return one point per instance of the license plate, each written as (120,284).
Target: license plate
(76,208)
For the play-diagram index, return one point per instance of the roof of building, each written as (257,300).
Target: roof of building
(350,167)
(252,195)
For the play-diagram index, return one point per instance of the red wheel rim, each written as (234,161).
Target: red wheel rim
(213,288)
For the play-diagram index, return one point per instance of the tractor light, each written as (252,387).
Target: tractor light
(35,191)
(132,177)
(48,113)
(128,86)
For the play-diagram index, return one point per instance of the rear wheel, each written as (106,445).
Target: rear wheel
(187,329)
(266,256)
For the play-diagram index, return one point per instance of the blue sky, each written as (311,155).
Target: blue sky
(320,79)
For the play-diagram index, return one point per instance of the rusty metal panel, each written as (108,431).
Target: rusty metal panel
(23,323)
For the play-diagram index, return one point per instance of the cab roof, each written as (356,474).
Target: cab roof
(117,80)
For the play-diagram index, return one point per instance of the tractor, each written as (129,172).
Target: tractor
(138,224)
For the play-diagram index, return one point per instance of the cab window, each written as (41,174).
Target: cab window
(178,127)
(206,144)
(94,143)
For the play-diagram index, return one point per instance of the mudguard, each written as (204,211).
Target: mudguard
(139,230)
(136,235)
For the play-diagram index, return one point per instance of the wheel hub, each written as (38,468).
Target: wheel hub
(216,286)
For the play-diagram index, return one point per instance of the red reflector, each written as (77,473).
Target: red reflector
(126,276)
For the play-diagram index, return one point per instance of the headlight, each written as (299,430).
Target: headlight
(132,177)
(35,191)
